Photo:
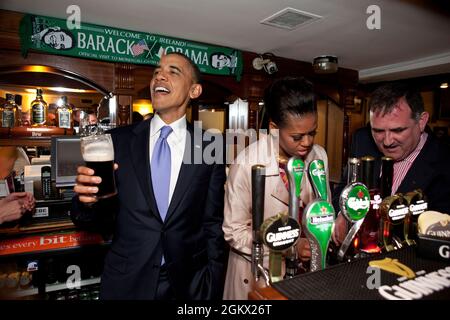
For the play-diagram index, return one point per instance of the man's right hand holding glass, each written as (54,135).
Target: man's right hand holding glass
(87,183)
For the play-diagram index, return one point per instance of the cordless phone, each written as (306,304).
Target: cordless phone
(46,182)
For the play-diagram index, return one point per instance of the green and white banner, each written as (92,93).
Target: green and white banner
(51,35)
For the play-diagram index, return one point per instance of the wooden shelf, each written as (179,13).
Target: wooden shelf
(31,136)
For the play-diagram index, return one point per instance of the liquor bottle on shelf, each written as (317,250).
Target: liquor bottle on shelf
(9,112)
(39,109)
(18,101)
(64,118)
(369,232)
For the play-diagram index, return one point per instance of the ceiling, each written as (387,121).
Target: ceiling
(414,39)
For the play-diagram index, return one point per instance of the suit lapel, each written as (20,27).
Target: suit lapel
(418,175)
(139,151)
(186,175)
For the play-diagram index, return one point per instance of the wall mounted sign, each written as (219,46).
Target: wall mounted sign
(51,35)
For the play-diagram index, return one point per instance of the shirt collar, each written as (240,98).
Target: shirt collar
(178,126)
(413,155)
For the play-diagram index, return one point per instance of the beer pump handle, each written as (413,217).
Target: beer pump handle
(318,177)
(258,189)
(294,169)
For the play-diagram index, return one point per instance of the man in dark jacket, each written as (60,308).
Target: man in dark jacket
(397,129)
(168,241)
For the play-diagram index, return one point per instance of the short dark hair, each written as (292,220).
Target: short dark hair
(289,96)
(385,99)
(196,75)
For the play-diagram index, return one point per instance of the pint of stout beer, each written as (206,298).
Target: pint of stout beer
(98,153)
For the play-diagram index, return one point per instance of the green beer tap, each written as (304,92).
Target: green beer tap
(354,203)
(318,216)
(318,225)
(318,177)
(295,169)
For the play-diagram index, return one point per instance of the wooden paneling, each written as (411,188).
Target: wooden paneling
(101,73)
(335,118)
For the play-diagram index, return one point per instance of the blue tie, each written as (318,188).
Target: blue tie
(160,166)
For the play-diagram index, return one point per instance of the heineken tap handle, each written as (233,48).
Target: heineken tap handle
(318,178)
(258,190)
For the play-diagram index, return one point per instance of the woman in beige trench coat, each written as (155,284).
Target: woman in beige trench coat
(290,104)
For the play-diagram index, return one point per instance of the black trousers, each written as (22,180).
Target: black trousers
(164,290)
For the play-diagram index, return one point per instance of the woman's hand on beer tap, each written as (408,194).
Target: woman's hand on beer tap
(87,182)
(303,249)
(340,230)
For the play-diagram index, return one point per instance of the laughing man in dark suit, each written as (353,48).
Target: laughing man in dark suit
(170,248)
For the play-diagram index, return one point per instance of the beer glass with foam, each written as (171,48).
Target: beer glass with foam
(98,153)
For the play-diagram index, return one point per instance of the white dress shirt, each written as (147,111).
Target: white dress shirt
(177,144)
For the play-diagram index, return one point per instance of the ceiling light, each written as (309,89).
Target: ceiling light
(444,85)
(325,64)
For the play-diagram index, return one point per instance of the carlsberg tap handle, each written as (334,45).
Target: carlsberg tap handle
(318,178)
(294,170)
(354,203)
(258,188)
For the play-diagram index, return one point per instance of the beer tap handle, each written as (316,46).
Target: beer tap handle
(265,274)
(258,190)
(354,203)
(318,178)
(295,170)
(348,239)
